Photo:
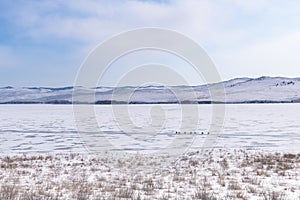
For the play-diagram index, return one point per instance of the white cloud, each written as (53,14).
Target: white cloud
(7,57)
(276,56)
(92,21)
(245,38)
(252,6)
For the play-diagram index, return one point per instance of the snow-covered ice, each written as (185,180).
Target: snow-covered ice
(51,128)
(256,156)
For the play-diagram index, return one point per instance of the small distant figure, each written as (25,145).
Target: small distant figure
(191,132)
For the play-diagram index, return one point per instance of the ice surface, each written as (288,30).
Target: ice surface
(51,128)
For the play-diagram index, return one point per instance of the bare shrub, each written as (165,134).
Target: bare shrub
(221,179)
(254,180)
(251,189)
(241,195)
(203,194)
(148,186)
(124,193)
(178,178)
(8,192)
(83,193)
(35,195)
(224,163)
(109,188)
(289,156)
(234,185)
(205,182)
(194,163)
(273,195)
(165,197)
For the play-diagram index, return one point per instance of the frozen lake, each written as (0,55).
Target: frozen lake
(51,128)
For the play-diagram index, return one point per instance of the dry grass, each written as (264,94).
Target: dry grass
(273,195)
(235,174)
(203,194)
(234,185)
(8,192)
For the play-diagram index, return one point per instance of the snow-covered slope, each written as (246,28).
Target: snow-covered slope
(265,89)
(239,90)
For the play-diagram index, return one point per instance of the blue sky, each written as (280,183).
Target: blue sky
(43,43)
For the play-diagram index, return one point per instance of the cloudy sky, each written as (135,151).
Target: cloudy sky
(43,43)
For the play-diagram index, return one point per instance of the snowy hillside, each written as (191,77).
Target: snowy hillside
(240,90)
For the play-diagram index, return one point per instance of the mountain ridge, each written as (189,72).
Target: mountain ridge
(264,89)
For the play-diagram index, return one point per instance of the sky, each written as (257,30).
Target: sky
(44,43)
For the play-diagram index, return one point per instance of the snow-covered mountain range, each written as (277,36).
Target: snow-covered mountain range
(239,90)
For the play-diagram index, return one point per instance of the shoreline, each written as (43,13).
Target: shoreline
(150,103)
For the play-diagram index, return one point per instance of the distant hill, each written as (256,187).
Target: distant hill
(239,90)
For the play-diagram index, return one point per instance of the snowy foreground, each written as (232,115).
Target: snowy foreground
(217,174)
